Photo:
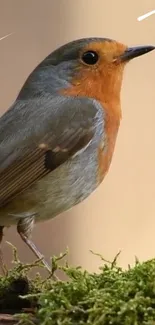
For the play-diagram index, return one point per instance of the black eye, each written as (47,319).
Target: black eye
(90,57)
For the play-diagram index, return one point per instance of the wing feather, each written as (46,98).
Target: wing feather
(37,136)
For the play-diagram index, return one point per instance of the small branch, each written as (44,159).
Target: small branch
(6,319)
(10,319)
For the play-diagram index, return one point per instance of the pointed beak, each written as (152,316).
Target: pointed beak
(133,52)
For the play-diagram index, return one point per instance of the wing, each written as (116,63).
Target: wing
(39,135)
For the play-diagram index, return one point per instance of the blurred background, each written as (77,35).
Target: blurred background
(120,215)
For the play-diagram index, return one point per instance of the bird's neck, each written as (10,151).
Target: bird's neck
(104,88)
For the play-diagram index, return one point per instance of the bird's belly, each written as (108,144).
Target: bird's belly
(58,191)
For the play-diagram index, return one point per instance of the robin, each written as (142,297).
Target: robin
(57,139)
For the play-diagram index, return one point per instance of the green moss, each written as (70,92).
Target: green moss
(113,296)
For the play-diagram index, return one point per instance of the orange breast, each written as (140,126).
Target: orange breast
(92,86)
(105,154)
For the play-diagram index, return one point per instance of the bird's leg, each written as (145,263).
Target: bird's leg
(2,264)
(24,228)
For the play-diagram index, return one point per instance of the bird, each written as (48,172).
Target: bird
(58,137)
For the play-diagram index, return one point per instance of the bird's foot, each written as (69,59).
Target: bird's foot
(2,264)
(24,228)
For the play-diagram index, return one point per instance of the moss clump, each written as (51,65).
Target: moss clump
(113,296)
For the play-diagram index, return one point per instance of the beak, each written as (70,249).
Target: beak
(133,52)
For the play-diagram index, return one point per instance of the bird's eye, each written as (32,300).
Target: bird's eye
(90,57)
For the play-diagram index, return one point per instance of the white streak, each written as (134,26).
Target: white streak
(146,15)
(5,36)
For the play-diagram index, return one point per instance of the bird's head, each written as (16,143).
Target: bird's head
(91,67)
(94,66)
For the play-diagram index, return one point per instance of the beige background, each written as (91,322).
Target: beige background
(120,215)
